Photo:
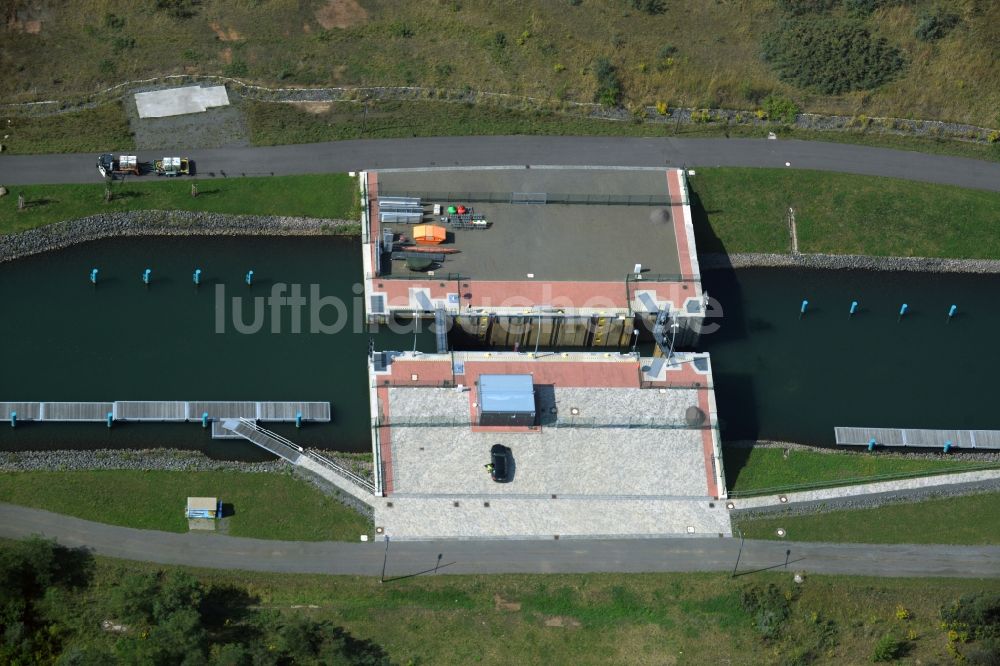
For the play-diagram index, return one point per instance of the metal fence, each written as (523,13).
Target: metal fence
(544,198)
(547,421)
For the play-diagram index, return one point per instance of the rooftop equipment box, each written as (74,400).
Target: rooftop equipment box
(506,400)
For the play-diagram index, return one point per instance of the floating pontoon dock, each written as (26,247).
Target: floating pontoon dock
(959,439)
(166,411)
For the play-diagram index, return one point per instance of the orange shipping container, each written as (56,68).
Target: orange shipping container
(429,234)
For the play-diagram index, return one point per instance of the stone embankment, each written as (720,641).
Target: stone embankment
(174,460)
(848,262)
(160,223)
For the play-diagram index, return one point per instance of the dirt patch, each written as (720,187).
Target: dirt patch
(562,621)
(315,108)
(341,14)
(227,55)
(502,604)
(223,34)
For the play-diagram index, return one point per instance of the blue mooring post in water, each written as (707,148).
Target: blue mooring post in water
(951,312)
(204,419)
(871,444)
(197,277)
(146,275)
(249,278)
(854,308)
(902,311)
(111,417)
(802,310)
(298,419)
(13,419)
(93,276)
(947,446)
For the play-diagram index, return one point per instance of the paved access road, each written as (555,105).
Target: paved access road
(508,150)
(463,557)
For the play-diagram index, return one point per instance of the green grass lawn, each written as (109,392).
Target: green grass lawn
(969,520)
(266,506)
(332,196)
(603,618)
(744,210)
(757,470)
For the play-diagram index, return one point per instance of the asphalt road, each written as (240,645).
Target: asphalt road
(407,558)
(507,150)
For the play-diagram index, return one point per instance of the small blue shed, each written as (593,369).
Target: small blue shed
(506,400)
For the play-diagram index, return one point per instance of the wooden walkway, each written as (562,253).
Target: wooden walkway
(960,439)
(166,411)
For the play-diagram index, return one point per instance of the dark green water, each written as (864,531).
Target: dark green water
(65,340)
(783,378)
(777,376)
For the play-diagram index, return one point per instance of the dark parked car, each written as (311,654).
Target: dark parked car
(500,459)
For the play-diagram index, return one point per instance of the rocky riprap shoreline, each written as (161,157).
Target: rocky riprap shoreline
(59,235)
(173,460)
(717,261)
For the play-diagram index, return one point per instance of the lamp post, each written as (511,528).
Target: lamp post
(635,339)
(385,558)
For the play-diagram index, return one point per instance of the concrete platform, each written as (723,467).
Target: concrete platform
(180,101)
(509,518)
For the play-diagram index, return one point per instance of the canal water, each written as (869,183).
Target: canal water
(64,339)
(785,378)
(777,376)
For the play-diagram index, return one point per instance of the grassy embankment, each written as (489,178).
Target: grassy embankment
(333,196)
(272,123)
(603,618)
(694,53)
(744,210)
(765,470)
(735,209)
(969,520)
(264,506)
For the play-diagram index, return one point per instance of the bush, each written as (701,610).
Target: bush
(651,7)
(864,8)
(400,29)
(179,9)
(977,613)
(781,108)
(236,68)
(831,56)
(887,649)
(800,7)
(768,607)
(609,85)
(933,25)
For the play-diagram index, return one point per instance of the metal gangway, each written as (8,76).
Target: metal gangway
(441,330)
(338,475)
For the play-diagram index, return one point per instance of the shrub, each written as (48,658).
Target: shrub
(933,25)
(236,68)
(179,9)
(400,29)
(651,7)
(609,85)
(864,8)
(113,21)
(994,136)
(575,3)
(903,613)
(661,108)
(831,56)
(800,7)
(978,614)
(667,51)
(887,649)
(120,44)
(768,607)
(781,108)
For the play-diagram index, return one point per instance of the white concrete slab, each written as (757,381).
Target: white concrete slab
(179,101)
